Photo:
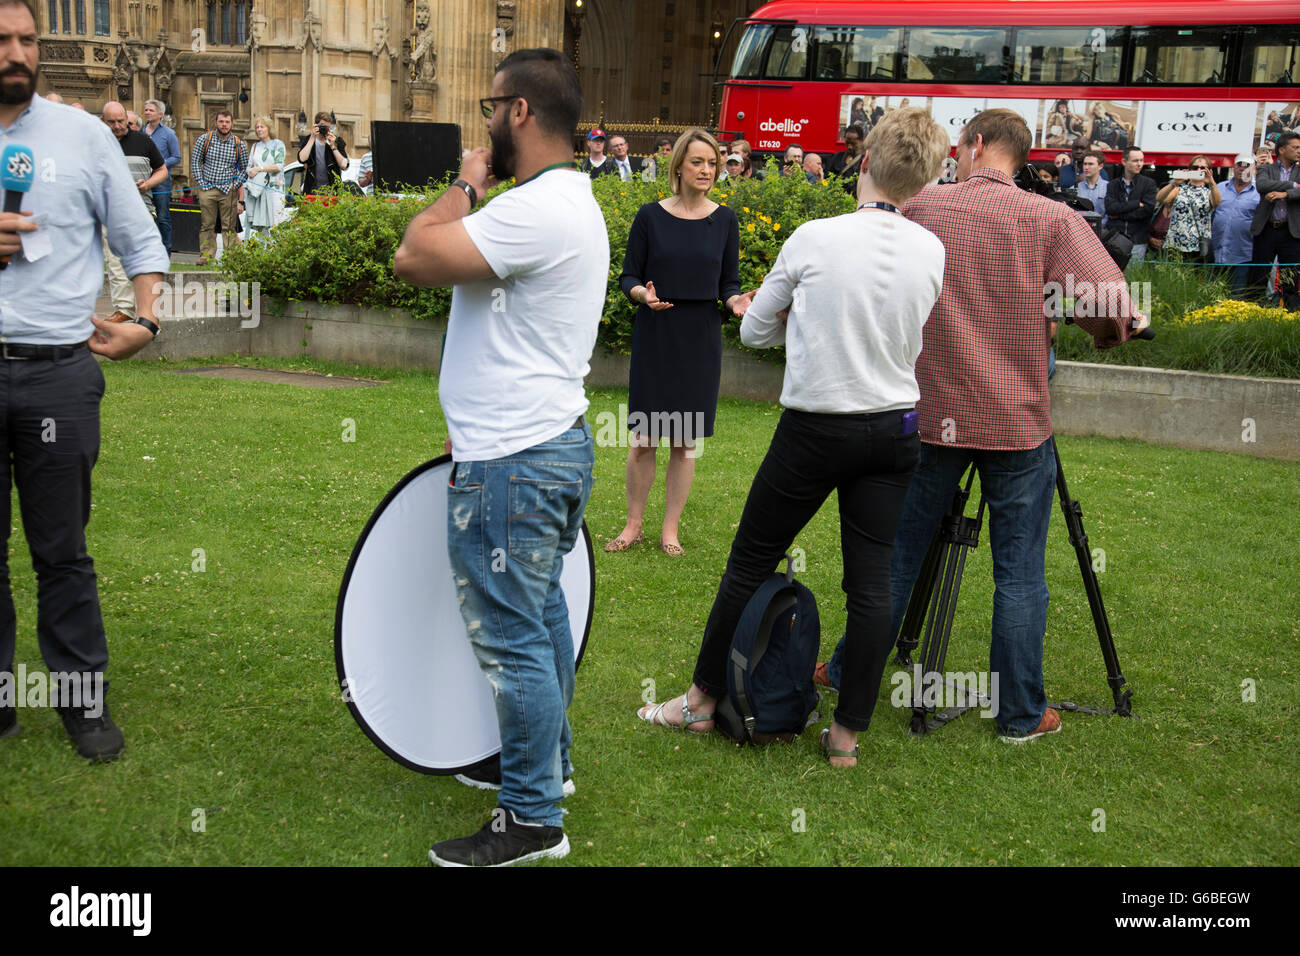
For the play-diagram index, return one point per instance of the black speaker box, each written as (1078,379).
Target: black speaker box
(415,154)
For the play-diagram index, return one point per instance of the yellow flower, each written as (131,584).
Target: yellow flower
(777,227)
(746,208)
(750,227)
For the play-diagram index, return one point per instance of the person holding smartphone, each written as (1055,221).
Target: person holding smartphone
(1192,198)
(324,155)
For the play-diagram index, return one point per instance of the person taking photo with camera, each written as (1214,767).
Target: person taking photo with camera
(323,154)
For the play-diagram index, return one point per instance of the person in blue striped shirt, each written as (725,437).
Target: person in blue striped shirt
(1093,185)
(50,383)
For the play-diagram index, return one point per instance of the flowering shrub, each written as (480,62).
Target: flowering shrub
(1231,310)
(339,248)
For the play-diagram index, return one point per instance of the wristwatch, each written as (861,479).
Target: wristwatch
(469,191)
(151,326)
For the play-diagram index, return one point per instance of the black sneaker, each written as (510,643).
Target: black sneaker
(8,722)
(96,738)
(487,776)
(503,841)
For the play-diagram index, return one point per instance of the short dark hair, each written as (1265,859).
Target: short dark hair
(220,113)
(1003,129)
(546,79)
(855,128)
(1096,154)
(322,115)
(1128,150)
(663,141)
(790,147)
(1286,137)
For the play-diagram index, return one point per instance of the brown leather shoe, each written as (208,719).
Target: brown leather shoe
(1050,724)
(120,316)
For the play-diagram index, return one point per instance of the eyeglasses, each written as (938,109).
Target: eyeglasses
(1200,168)
(488,103)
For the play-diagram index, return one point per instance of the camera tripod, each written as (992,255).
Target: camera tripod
(933,605)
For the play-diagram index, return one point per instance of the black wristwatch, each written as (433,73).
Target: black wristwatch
(470,191)
(151,326)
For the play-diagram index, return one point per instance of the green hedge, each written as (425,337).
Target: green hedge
(341,251)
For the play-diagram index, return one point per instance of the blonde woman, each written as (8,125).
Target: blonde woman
(264,191)
(683,256)
(1191,205)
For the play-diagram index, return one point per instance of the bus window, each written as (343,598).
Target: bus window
(1068,54)
(1269,54)
(748,63)
(857,53)
(955,54)
(788,57)
(1179,54)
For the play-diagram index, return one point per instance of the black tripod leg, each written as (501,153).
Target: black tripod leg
(1079,538)
(909,634)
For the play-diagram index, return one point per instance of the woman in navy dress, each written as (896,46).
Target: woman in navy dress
(683,256)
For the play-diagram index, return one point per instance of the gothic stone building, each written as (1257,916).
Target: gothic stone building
(644,64)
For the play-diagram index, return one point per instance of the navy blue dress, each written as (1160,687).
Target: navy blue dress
(677,353)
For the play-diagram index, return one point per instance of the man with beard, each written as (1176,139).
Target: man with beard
(528,271)
(50,384)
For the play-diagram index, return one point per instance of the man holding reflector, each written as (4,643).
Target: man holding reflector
(529,273)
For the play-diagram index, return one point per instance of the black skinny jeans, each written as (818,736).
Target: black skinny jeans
(870,462)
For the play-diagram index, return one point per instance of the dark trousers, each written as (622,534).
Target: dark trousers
(869,462)
(1281,245)
(49,436)
(162,199)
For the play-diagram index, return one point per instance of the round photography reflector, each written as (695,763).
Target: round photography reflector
(404,660)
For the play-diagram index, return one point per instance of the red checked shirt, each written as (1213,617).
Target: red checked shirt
(982,370)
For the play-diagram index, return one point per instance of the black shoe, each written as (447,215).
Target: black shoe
(503,841)
(487,776)
(8,722)
(96,738)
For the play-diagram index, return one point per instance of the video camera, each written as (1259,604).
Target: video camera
(1117,244)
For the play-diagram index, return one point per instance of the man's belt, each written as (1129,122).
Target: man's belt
(1277,223)
(19,350)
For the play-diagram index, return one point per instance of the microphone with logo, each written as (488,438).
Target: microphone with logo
(17,172)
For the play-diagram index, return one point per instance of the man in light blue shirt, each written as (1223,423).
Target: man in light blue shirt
(1093,185)
(50,383)
(1230,227)
(170,147)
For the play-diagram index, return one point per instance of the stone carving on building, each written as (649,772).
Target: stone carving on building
(123,72)
(506,16)
(310,32)
(62,52)
(162,72)
(381,38)
(423,55)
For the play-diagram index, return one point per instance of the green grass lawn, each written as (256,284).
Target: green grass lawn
(224,681)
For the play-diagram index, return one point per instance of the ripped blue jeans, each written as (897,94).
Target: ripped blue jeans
(510,521)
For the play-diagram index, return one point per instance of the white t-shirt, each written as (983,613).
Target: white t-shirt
(860,287)
(518,346)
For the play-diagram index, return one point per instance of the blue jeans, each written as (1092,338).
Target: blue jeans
(1018,486)
(510,521)
(162,198)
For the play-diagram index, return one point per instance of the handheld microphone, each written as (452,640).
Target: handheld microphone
(17,173)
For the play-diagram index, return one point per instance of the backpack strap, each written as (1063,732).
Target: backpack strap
(742,667)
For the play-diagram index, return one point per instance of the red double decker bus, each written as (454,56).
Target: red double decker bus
(1175,78)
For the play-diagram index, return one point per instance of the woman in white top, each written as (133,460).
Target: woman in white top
(264,191)
(847,297)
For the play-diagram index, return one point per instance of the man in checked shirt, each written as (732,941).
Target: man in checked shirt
(218,165)
(982,373)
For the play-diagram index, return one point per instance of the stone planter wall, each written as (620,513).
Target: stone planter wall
(1188,409)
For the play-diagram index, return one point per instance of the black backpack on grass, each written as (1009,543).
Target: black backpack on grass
(770,692)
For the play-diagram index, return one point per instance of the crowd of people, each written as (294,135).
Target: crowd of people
(896,379)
